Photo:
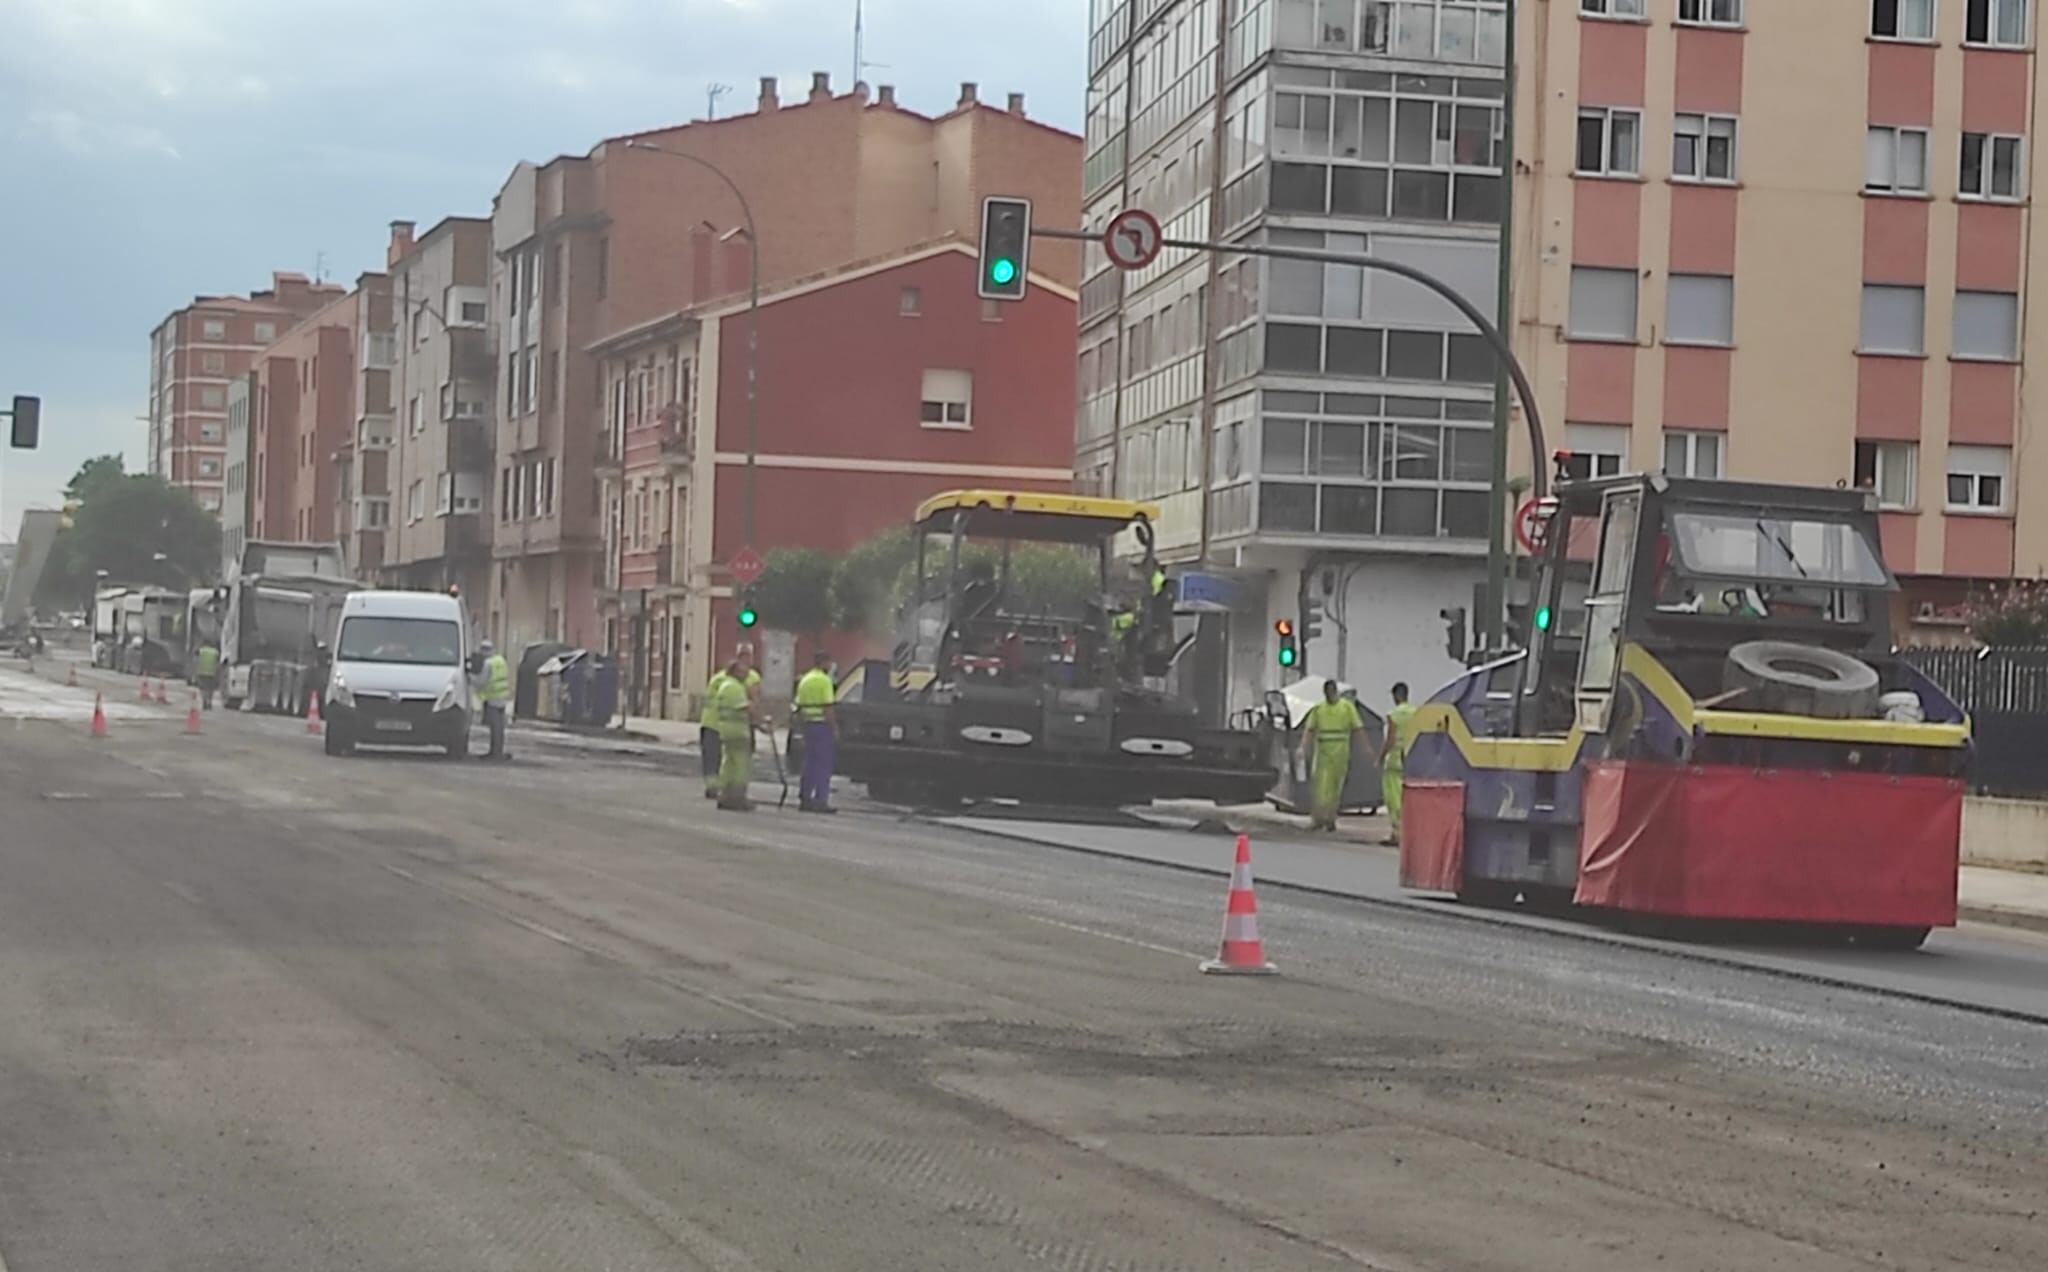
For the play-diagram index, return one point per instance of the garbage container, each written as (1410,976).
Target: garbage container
(549,698)
(604,691)
(526,685)
(576,689)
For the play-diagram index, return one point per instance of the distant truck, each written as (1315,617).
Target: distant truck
(106,626)
(150,643)
(278,617)
(204,607)
(31,553)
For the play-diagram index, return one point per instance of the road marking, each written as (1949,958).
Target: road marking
(1110,936)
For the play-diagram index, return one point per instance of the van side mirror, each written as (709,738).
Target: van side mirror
(474,665)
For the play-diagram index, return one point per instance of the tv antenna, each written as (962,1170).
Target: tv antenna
(711,96)
(860,63)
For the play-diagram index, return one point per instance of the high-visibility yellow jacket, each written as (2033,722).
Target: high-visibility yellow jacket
(497,680)
(814,695)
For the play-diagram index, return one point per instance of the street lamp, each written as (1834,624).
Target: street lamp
(753,316)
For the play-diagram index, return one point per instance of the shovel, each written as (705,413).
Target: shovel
(781,774)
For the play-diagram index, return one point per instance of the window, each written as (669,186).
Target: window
(472,311)
(547,487)
(1703,148)
(211,397)
(1610,142)
(1710,12)
(1887,469)
(1902,19)
(2002,23)
(1977,478)
(415,420)
(1692,454)
(1895,160)
(1894,320)
(1987,325)
(528,372)
(1603,304)
(209,431)
(376,514)
(1700,310)
(1596,450)
(213,363)
(1990,168)
(1612,8)
(266,332)
(947,398)
(910,303)
(209,467)
(213,329)
(415,502)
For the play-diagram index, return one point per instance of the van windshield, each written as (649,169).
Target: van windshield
(427,642)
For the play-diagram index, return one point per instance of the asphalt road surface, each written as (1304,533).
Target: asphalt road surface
(265,1009)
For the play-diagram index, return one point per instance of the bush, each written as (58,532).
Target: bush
(2013,616)
(793,593)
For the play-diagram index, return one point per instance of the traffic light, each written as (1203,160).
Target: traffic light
(28,421)
(1005,248)
(1311,617)
(1290,647)
(1454,632)
(749,616)
(1543,618)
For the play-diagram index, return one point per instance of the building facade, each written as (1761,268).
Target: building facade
(196,353)
(442,377)
(1794,242)
(236,492)
(588,246)
(305,391)
(884,383)
(1309,430)
(362,460)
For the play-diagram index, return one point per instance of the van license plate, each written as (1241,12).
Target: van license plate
(395,726)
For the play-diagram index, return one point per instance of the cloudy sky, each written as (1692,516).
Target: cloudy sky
(157,149)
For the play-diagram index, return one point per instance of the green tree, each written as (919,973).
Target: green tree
(93,475)
(2011,617)
(140,530)
(793,593)
(870,580)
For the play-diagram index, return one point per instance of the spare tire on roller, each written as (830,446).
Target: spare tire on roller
(1779,676)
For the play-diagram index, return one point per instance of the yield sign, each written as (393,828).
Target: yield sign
(745,566)
(1133,239)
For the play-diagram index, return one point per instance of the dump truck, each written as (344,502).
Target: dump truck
(1708,726)
(278,617)
(39,528)
(996,692)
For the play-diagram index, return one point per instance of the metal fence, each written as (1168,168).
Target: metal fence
(2006,693)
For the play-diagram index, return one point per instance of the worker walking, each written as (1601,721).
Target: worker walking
(1400,731)
(496,696)
(737,719)
(709,742)
(815,693)
(1329,730)
(206,672)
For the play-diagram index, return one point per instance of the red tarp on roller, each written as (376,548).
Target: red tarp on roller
(1732,843)
(1432,835)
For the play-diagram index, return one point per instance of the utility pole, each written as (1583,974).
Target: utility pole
(1493,611)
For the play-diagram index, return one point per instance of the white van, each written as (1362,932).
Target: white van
(400,674)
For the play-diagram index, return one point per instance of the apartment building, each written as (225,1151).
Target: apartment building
(236,491)
(892,381)
(362,460)
(442,373)
(1308,429)
(195,355)
(1793,241)
(584,247)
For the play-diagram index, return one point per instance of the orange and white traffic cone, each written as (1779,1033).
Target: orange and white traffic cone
(192,716)
(163,693)
(99,717)
(313,713)
(1241,953)
(142,689)
(71,677)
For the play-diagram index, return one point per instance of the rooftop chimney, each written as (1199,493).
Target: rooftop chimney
(821,86)
(860,90)
(1017,104)
(768,101)
(886,95)
(968,91)
(401,243)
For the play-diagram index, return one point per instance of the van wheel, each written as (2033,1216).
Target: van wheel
(335,743)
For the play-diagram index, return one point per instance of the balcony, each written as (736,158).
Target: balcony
(380,350)
(375,432)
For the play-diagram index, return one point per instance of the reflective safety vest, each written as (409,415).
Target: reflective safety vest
(1400,732)
(1333,723)
(814,695)
(209,661)
(708,717)
(497,680)
(735,709)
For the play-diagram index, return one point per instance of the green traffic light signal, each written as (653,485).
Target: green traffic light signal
(1287,655)
(748,616)
(1543,619)
(1002,271)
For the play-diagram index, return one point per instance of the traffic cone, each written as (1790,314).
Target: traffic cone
(99,717)
(313,713)
(71,677)
(1241,953)
(163,693)
(142,690)
(192,716)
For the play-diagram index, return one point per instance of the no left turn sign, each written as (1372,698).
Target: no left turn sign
(1133,239)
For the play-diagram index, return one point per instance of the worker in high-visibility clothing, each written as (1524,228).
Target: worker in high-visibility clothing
(496,695)
(206,672)
(1400,732)
(1327,735)
(709,742)
(815,693)
(738,717)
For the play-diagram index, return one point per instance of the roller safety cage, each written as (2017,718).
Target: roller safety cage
(1709,728)
(997,692)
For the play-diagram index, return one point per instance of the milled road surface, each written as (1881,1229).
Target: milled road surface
(264,1009)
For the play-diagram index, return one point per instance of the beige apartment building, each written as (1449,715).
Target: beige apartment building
(439,440)
(1792,240)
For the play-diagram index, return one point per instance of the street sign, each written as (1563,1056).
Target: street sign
(746,566)
(1532,524)
(1133,239)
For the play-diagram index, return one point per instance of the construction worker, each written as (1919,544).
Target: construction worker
(206,671)
(737,718)
(1328,732)
(815,693)
(708,738)
(496,695)
(1400,731)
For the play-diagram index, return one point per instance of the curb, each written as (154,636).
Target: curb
(2002,916)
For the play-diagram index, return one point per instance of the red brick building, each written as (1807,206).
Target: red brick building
(880,384)
(585,247)
(195,353)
